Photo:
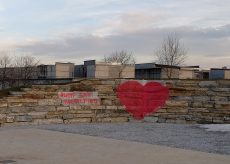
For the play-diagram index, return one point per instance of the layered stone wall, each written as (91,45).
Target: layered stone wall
(190,102)
(196,102)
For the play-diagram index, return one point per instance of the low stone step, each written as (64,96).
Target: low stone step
(26,89)
(16,93)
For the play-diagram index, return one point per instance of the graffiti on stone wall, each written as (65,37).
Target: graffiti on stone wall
(79,98)
(142,100)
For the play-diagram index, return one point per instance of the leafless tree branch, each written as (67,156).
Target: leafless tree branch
(123,58)
(171,53)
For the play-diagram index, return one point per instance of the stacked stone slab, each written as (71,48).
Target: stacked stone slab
(41,105)
(191,101)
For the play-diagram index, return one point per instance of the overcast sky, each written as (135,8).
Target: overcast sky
(78,30)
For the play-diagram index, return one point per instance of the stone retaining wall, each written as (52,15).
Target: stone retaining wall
(190,101)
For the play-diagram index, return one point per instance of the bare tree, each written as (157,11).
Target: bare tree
(26,68)
(123,58)
(171,53)
(5,64)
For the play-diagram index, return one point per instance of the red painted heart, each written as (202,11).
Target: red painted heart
(142,100)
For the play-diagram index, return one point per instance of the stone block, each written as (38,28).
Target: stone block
(68,116)
(171,103)
(222,102)
(48,102)
(106,102)
(170,121)
(197,104)
(218,120)
(177,110)
(48,121)
(78,120)
(56,112)
(103,115)
(53,116)
(227,118)
(105,119)
(221,89)
(121,107)
(96,107)
(24,118)
(2,118)
(151,119)
(81,111)
(208,84)
(117,102)
(211,93)
(80,115)
(222,105)
(63,108)
(171,116)
(10,119)
(182,98)
(180,89)
(4,110)
(222,94)
(208,104)
(200,92)
(44,108)
(219,98)
(207,118)
(108,82)
(201,98)
(161,120)
(3,104)
(106,89)
(37,115)
(180,93)
(34,96)
(13,104)
(111,107)
(76,107)
(198,110)
(221,111)
(21,109)
(21,100)
(224,83)
(108,97)
(187,83)
(26,89)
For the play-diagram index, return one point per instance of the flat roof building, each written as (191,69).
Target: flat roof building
(94,69)
(156,71)
(64,70)
(219,73)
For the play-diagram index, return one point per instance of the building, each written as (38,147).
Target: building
(46,72)
(59,70)
(80,71)
(202,74)
(94,69)
(147,71)
(219,73)
(156,71)
(188,72)
(64,70)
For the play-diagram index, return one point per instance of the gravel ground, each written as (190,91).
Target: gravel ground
(191,137)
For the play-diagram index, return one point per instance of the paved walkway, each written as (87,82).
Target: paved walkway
(191,137)
(34,146)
